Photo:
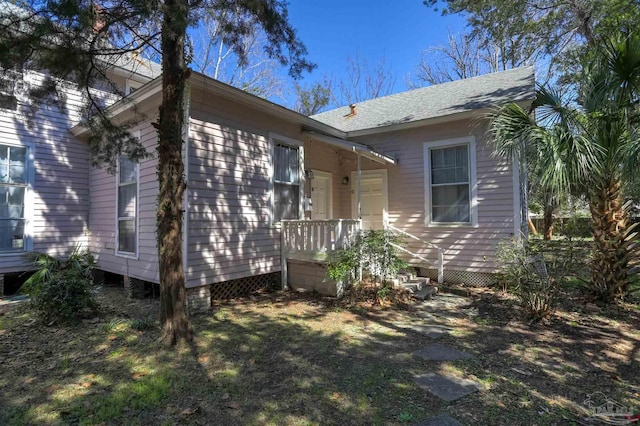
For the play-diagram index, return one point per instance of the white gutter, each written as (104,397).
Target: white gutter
(358,148)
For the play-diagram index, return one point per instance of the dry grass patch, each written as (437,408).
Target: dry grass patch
(287,359)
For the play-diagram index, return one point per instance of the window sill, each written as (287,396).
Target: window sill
(132,256)
(8,253)
(451,225)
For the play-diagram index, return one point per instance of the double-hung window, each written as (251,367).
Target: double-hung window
(286,181)
(127,216)
(13,190)
(450,176)
(10,82)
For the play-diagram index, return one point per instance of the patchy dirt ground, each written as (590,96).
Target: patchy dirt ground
(296,360)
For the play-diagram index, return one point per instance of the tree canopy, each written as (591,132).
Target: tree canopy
(559,31)
(589,145)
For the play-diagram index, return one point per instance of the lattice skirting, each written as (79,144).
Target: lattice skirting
(474,279)
(245,286)
(199,298)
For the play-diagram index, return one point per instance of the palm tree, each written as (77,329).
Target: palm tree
(591,146)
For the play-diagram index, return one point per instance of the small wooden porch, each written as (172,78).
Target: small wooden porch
(307,246)
(311,243)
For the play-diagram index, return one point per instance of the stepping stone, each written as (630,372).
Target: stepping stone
(425,293)
(446,387)
(441,420)
(438,352)
(430,331)
(445,303)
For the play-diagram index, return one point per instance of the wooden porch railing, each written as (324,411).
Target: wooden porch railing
(438,264)
(314,240)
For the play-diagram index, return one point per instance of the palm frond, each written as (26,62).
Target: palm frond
(631,153)
(511,128)
(552,108)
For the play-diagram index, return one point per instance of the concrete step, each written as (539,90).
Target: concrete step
(414,285)
(403,278)
(426,292)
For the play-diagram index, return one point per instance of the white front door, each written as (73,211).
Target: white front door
(321,195)
(373,198)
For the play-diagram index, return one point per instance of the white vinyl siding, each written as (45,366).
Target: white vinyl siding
(286,181)
(127,220)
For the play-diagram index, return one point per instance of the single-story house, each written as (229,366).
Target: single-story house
(267,185)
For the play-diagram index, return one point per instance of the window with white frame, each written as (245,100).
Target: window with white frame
(450,182)
(127,208)
(286,181)
(13,190)
(10,83)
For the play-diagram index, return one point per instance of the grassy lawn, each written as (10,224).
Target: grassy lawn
(284,359)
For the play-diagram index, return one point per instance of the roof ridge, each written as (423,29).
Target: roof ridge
(446,83)
(438,100)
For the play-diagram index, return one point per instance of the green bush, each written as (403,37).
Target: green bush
(372,251)
(61,289)
(525,273)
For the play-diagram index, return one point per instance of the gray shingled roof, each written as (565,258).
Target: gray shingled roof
(435,101)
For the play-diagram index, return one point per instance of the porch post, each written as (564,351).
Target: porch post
(284,252)
(358,216)
(358,211)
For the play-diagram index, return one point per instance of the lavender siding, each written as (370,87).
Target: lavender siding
(61,170)
(102,216)
(469,249)
(229,231)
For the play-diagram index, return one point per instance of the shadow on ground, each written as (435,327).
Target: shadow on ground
(289,360)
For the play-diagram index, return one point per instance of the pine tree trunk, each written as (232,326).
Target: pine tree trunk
(610,269)
(173,314)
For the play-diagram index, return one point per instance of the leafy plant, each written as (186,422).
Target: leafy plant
(60,289)
(374,251)
(525,273)
(512,256)
(538,293)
